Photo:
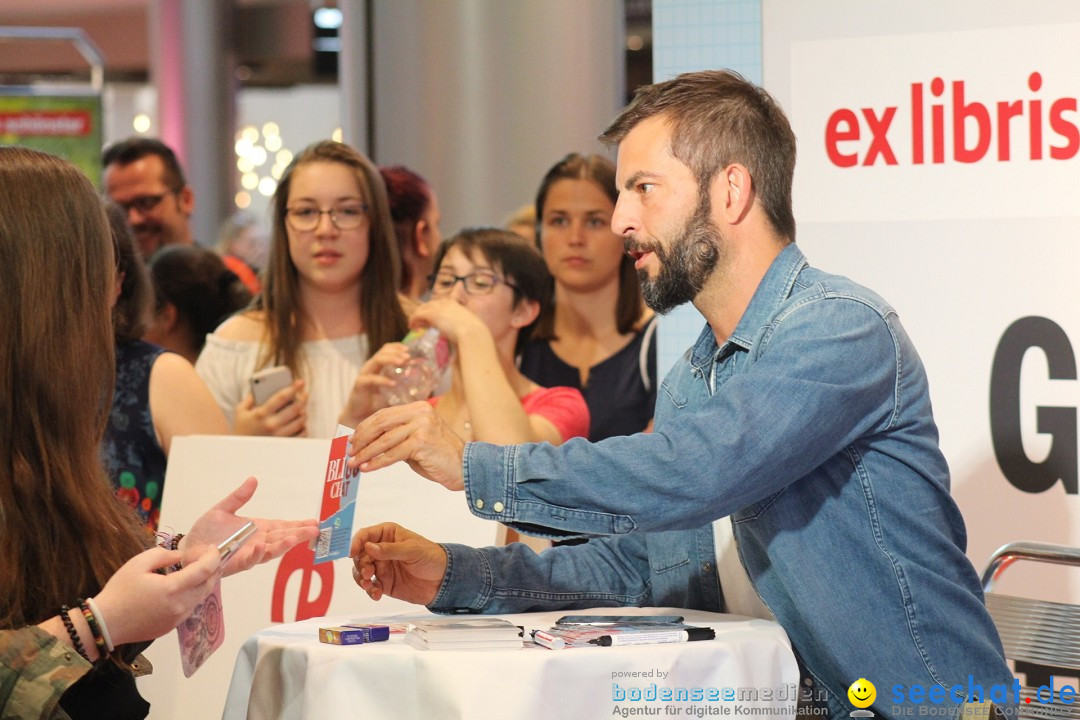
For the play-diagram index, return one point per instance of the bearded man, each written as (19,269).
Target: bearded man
(799,425)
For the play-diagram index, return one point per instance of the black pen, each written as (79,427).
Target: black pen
(649,638)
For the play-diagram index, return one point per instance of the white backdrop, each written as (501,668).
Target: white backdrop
(202,470)
(964,243)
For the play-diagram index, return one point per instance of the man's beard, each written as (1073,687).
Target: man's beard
(685,264)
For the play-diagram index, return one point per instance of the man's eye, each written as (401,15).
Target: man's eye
(645,188)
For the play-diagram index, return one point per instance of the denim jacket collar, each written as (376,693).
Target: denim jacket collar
(775,287)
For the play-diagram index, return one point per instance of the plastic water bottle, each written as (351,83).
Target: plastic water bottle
(429,357)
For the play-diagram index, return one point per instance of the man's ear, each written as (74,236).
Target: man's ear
(735,188)
(524,313)
(186,200)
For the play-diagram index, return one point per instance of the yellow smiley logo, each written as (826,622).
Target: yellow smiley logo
(862,693)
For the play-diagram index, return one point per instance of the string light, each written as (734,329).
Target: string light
(261,159)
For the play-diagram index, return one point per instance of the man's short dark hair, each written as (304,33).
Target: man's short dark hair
(128,151)
(717,117)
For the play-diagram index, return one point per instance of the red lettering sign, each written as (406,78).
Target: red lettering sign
(966,124)
(46,123)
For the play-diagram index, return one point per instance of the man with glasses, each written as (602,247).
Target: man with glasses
(143,176)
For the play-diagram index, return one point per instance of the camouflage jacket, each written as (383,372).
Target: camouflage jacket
(35,670)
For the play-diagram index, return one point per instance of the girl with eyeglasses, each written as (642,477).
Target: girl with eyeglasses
(329,296)
(487,292)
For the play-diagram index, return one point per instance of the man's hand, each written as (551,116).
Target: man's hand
(413,433)
(391,560)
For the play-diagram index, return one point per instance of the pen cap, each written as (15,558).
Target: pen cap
(700,633)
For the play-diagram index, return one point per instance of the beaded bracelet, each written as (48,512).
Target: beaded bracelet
(170,542)
(95,629)
(72,632)
(174,544)
(101,624)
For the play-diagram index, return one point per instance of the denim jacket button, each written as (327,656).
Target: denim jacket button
(479,504)
(707,567)
(497,507)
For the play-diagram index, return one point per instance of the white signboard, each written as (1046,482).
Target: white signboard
(202,470)
(939,164)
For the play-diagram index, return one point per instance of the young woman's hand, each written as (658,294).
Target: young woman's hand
(283,415)
(365,398)
(456,322)
(138,603)
(273,537)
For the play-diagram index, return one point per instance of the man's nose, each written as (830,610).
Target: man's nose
(623,221)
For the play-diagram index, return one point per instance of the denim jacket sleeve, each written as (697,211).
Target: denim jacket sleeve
(824,369)
(516,579)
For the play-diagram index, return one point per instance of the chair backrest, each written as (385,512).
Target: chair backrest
(1041,638)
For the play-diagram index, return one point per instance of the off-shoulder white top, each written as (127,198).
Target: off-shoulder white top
(330,368)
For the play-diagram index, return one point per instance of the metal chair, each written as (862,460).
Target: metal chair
(1041,638)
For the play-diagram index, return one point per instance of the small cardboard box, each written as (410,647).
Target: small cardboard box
(353,634)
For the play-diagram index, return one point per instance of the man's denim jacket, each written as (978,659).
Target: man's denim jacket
(811,426)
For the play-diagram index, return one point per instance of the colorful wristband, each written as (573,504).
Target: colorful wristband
(95,629)
(101,624)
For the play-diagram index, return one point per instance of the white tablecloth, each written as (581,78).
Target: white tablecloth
(284,672)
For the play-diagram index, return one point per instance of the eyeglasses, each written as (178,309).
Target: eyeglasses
(143,203)
(306,219)
(475,283)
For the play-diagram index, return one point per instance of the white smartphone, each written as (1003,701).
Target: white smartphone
(268,381)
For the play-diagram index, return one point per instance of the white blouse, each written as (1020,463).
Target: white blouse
(329,369)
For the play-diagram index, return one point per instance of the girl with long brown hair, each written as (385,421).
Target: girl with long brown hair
(79,591)
(329,298)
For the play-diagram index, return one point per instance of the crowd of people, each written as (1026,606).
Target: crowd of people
(355,259)
(779,458)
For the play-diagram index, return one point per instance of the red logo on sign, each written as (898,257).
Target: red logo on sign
(1024,127)
(46,123)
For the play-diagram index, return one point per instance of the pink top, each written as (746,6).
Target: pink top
(563,407)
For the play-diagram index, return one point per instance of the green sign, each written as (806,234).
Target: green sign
(64,125)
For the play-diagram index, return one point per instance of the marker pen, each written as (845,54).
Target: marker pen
(551,642)
(650,638)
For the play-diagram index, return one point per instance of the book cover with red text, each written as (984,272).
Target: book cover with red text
(338,501)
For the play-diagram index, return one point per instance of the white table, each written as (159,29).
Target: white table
(284,672)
